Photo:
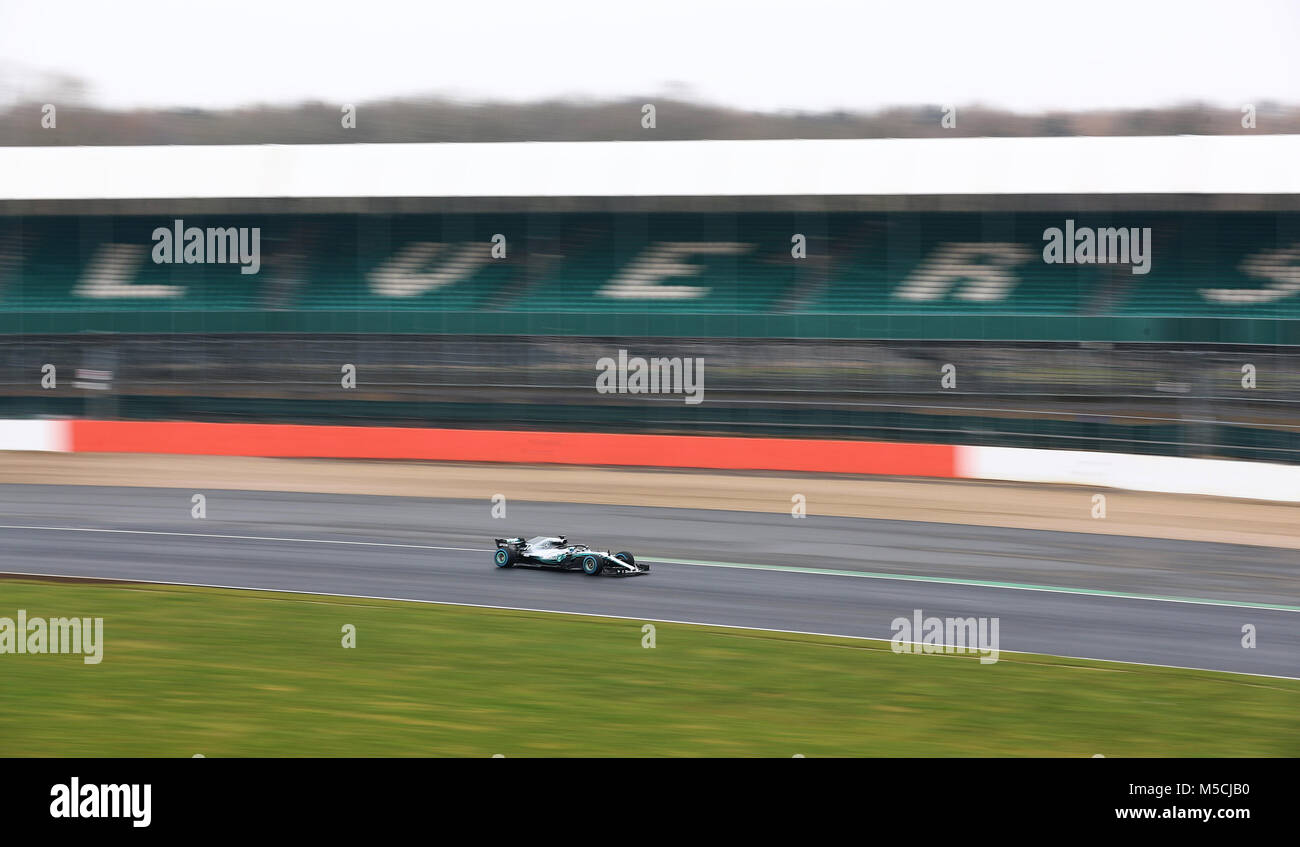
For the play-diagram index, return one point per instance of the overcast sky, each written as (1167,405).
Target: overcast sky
(805,54)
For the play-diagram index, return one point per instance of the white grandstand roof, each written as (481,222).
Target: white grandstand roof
(1239,164)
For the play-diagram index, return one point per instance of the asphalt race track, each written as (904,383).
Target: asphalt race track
(1070,594)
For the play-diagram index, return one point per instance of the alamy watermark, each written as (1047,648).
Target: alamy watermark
(656,375)
(132,801)
(946,635)
(1103,246)
(220,245)
(54,635)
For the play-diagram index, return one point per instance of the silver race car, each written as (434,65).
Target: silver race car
(555,552)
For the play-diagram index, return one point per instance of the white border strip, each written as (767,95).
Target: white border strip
(1163,474)
(39,436)
(1189,164)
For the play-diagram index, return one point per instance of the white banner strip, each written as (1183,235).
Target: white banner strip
(1165,474)
(1173,164)
(42,436)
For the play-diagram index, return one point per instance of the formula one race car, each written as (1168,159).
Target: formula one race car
(555,552)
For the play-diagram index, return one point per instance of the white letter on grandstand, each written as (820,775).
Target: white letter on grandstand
(1280,266)
(984,266)
(110,271)
(408,273)
(663,260)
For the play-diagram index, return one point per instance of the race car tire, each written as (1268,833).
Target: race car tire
(592,566)
(503,558)
(626,557)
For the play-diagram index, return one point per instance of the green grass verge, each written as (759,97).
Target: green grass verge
(235,673)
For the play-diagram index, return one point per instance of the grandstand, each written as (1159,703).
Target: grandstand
(1237,275)
(438,284)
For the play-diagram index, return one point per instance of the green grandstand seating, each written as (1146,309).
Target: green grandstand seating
(589,264)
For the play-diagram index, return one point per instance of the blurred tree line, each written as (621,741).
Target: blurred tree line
(445,120)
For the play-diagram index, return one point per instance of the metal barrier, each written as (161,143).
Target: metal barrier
(1241,402)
